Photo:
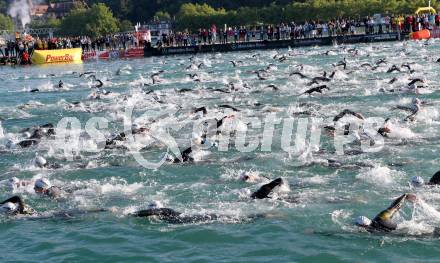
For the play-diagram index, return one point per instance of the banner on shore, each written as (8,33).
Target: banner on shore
(72,55)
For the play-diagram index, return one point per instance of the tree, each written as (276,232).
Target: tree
(96,21)
(125,25)
(162,16)
(6,23)
(49,23)
(101,21)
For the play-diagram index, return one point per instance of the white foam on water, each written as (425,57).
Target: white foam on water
(380,176)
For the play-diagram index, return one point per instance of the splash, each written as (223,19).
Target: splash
(20,10)
(2,134)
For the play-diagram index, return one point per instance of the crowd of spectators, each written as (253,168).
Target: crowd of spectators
(22,47)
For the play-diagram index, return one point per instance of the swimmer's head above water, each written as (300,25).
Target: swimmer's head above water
(155,205)
(362,221)
(9,208)
(417,181)
(40,162)
(42,185)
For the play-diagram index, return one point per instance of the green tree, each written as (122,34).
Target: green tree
(162,16)
(101,21)
(94,22)
(125,26)
(49,23)
(6,23)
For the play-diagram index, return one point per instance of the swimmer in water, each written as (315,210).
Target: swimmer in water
(318,89)
(418,181)
(385,130)
(41,162)
(43,187)
(414,109)
(383,221)
(266,189)
(15,206)
(60,84)
(171,216)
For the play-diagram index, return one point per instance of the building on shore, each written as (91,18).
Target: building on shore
(53,10)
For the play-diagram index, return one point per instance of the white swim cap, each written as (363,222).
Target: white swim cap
(12,183)
(417,181)
(42,183)
(40,161)
(27,135)
(244,176)
(363,221)
(8,207)
(155,205)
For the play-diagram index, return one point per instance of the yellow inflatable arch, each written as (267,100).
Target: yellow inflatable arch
(430,10)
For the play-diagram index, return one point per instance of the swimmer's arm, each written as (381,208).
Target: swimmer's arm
(396,205)
(163,212)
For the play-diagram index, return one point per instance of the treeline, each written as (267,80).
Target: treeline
(252,11)
(196,16)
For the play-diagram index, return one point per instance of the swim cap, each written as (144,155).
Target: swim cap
(363,221)
(40,161)
(12,183)
(155,205)
(417,181)
(244,176)
(27,135)
(42,183)
(8,207)
(417,101)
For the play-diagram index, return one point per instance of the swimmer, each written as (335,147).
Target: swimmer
(318,89)
(60,84)
(414,109)
(41,162)
(348,112)
(100,84)
(43,187)
(266,189)
(155,77)
(273,87)
(342,63)
(236,63)
(414,81)
(381,61)
(171,216)
(15,206)
(260,77)
(383,221)
(385,130)
(229,107)
(299,74)
(316,80)
(418,181)
(393,68)
(186,157)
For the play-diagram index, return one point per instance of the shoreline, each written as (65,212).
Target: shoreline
(232,47)
(276,44)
